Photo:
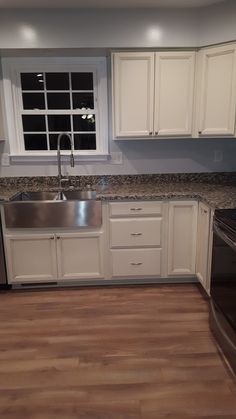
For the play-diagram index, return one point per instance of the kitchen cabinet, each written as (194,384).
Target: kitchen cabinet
(133,94)
(79,255)
(53,256)
(2,134)
(153,94)
(139,240)
(136,239)
(174,89)
(31,257)
(182,238)
(216,91)
(203,246)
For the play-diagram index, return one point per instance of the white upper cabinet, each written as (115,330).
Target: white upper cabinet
(133,93)
(174,88)
(153,94)
(217,91)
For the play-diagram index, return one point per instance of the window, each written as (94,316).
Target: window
(50,96)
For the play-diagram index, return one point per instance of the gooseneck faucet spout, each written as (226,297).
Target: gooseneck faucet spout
(72,161)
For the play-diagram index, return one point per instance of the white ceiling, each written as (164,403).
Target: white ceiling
(105,3)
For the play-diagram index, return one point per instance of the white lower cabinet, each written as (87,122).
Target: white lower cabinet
(31,257)
(136,239)
(53,257)
(203,246)
(79,256)
(182,238)
(139,239)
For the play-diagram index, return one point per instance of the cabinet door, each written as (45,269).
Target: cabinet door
(203,234)
(79,255)
(217,73)
(2,136)
(31,258)
(182,237)
(133,94)
(174,88)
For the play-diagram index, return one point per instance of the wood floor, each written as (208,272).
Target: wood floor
(111,353)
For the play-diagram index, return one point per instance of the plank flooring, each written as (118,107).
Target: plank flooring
(111,353)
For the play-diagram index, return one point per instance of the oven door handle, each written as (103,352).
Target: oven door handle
(223,236)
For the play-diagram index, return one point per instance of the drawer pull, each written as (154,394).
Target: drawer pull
(136,234)
(136,264)
(135,209)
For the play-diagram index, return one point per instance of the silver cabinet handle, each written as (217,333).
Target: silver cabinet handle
(136,264)
(135,209)
(136,234)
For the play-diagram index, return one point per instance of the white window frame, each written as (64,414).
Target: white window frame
(12,67)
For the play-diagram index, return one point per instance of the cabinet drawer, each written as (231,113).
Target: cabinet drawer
(135,208)
(138,232)
(138,262)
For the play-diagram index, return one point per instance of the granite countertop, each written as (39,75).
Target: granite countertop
(217,192)
(217,196)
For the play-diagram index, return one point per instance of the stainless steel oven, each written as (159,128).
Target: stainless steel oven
(223,283)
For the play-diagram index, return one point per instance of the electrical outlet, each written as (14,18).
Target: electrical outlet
(218,156)
(5,160)
(116,157)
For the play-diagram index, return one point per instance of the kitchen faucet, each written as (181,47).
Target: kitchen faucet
(62,179)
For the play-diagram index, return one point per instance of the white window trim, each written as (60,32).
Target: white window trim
(12,92)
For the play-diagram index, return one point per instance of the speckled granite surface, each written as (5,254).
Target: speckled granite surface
(216,189)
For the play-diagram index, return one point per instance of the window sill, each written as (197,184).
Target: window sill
(49,158)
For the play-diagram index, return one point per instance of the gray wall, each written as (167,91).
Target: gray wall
(102,29)
(98,28)
(218,23)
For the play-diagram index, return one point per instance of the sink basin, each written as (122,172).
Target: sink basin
(55,196)
(34,196)
(78,195)
(50,209)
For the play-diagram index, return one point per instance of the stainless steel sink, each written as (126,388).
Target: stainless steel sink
(50,209)
(55,196)
(80,195)
(34,196)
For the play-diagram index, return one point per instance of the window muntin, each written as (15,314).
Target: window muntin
(53,102)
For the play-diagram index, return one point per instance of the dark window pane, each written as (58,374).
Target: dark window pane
(35,141)
(82,81)
(65,142)
(83,100)
(57,81)
(59,123)
(84,122)
(33,123)
(58,100)
(85,141)
(33,101)
(32,81)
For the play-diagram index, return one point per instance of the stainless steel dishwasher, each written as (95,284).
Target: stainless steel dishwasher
(3,273)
